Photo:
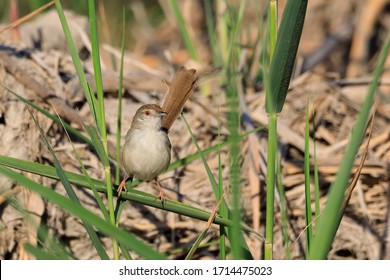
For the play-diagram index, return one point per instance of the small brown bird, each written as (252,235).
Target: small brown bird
(147,149)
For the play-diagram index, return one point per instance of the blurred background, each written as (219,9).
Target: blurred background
(343,38)
(340,44)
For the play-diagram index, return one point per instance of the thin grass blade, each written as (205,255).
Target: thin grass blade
(72,195)
(91,184)
(316,175)
(307,171)
(54,118)
(245,253)
(101,124)
(183,30)
(77,62)
(223,211)
(204,232)
(39,253)
(76,209)
(120,95)
(98,145)
(132,195)
(195,156)
(332,214)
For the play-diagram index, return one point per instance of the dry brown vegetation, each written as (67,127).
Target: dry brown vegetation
(339,46)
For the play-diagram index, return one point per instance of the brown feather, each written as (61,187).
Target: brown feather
(181,88)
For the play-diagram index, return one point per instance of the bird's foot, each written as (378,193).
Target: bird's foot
(161,194)
(122,186)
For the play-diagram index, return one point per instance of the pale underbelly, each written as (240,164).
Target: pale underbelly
(147,160)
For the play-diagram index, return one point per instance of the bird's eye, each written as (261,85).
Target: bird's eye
(147,113)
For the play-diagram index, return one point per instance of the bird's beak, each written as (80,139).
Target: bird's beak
(163,114)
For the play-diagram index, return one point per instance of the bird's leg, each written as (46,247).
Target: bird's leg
(122,185)
(161,195)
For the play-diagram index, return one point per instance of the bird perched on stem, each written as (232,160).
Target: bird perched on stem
(147,149)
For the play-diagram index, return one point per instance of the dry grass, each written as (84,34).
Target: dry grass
(364,231)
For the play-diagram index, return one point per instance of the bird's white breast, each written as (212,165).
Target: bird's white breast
(149,154)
